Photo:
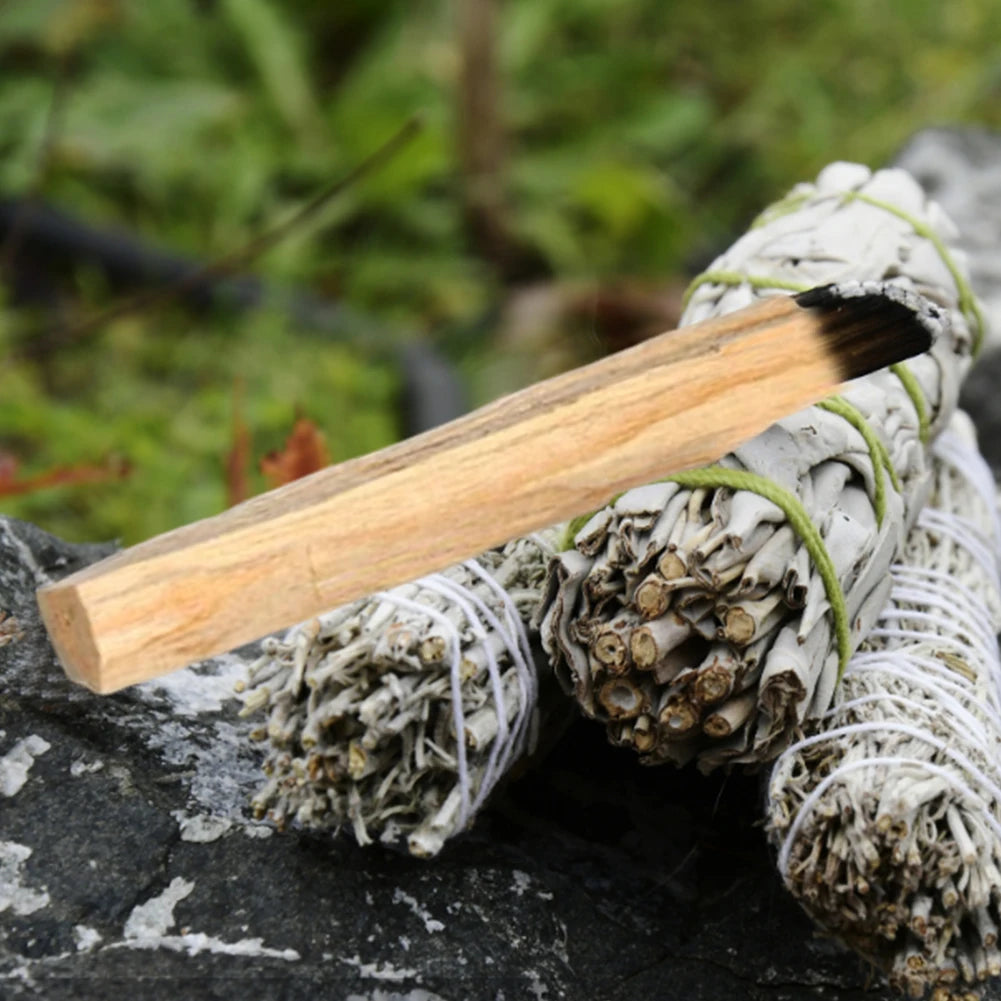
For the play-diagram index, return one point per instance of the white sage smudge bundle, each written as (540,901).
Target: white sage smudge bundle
(887,813)
(396,716)
(710,614)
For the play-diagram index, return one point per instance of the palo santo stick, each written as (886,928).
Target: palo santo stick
(527,461)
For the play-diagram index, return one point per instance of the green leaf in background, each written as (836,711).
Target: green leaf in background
(59,27)
(640,136)
(274,46)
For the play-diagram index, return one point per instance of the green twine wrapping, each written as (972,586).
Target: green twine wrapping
(878,453)
(738,278)
(713,477)
(913,389)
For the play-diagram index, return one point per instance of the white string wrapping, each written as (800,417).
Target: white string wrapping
(887,812)
(399,714)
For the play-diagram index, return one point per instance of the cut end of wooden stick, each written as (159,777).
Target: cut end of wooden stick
(69,628)
(870,325)
(106,650)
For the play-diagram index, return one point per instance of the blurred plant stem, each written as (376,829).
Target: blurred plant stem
(229,263)
(481,131)
(482,144)
(50,131)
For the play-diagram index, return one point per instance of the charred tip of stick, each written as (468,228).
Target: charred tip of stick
(729,717)
(874,324)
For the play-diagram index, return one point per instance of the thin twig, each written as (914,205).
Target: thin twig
(43,162)
(229,263)
(481,132)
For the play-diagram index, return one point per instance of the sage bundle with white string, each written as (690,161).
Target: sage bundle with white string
(710,614)
(396,716)
(886,813)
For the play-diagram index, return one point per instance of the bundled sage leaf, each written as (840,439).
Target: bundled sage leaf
(887,812)
(710,614)
(396,716)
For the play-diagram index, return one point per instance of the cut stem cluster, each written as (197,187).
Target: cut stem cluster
(710,614)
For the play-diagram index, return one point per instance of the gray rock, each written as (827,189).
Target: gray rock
(128,861)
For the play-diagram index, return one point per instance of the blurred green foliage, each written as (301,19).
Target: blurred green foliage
(641,135)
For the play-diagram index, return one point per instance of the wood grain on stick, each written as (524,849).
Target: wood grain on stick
(528,460)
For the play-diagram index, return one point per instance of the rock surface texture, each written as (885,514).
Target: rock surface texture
(129,860)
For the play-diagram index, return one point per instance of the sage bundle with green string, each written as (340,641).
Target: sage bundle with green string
(710,614)
(886,812)
(395,716)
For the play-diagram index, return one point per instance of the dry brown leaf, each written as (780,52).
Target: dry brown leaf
(12,484)
(305,452)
